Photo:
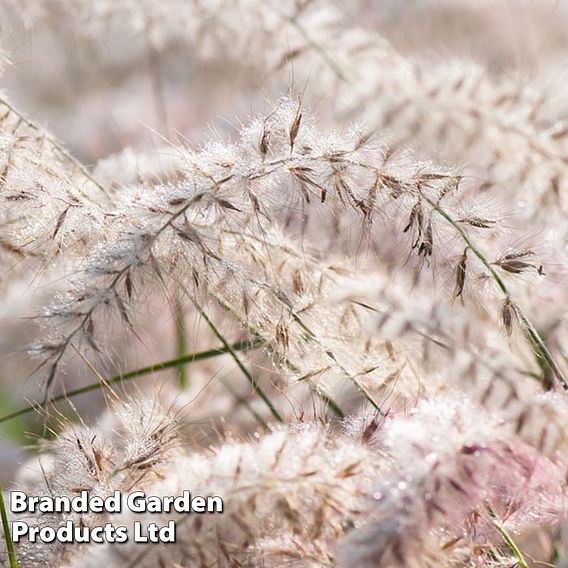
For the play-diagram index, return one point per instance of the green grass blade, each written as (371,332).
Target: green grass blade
(186,359)
(7,534)
(181,341)
(507,539)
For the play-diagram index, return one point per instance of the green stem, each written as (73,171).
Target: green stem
(521,562)
(245,403)
(532,334)
(190,358)
(254,383)
(181,341)
(7,534)
(327,399)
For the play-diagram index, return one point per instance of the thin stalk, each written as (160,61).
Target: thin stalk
(532,334)
(319,49)
(327,399)
(181,341)
(7,534)
(521,562)
(171,363)
(157,81)
(254,383)
(246,404)
(159,95)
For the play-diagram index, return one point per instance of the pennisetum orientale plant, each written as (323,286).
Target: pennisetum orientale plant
(342,312)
